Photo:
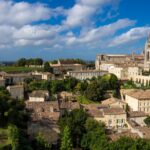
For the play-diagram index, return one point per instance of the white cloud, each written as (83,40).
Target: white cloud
(18,27)
(82,12)
(94,2)
(98,34)
(36,32)
(22,13)
(6,33)
(132,35)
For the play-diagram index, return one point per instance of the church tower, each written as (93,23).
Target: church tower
(147,54)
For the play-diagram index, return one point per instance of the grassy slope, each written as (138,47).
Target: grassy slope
(83,100)
(11,69)
(4,138)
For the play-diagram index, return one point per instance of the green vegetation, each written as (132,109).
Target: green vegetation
(75,120)
(47,67)
(13,136)
(41,143)
(66,141)
(14,117)
(31,61)
(93,90)
(15,69)
(147,121)
(83,100)
(129,85)
(89,134)
(4,142)
(127,143)
(77,61)
(94,137)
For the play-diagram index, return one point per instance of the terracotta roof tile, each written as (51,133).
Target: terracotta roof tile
(140,94)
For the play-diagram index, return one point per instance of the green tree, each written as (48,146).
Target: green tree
(70,84)
(47,67)
(38,61)
(147,121)
(57,86)
(124,143)
(75,120)
(66,142)
(13,135)
(94,91)
(21,62)
(41,143)
(95,137)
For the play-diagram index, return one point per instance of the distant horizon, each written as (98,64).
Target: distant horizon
(14,60)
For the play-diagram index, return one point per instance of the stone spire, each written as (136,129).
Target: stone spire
(147,53)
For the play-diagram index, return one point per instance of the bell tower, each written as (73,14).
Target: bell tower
(147,54)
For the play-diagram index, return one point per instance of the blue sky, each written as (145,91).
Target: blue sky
(53,29)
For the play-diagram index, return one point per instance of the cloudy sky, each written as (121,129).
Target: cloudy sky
(53,29)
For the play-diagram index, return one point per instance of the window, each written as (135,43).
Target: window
(117,120)
(109,122)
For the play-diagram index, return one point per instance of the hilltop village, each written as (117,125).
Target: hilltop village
(69,97)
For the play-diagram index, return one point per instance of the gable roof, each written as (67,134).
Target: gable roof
(39,93)
(113,111)
(111,100)
(140,94)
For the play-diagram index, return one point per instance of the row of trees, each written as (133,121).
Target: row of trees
(80,131)
(78,61)
(39,61)
(31,61)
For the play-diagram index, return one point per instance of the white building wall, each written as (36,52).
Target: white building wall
(36,99)
(134,71)
(115,120)
(132,102)
(106,67)
(118,71)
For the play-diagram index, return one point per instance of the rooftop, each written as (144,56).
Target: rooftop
(111,100)
(137,114)
(15,86)
(113,111)
(67,62)
(127,133)
(140,94)
(69,105)
(88,71)
(145,131)
(39,93)
(95,113)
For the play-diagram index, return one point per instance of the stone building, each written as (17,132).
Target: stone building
(138,117)
(139,100)
(49,110)
(16,78)
(114,102)
(39,96)
(43,75)
(44,118)
(147,54)
(86,74)
(120,72)
(16,91)
(114,117)
(66,65)
(119,60)
(2,82)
